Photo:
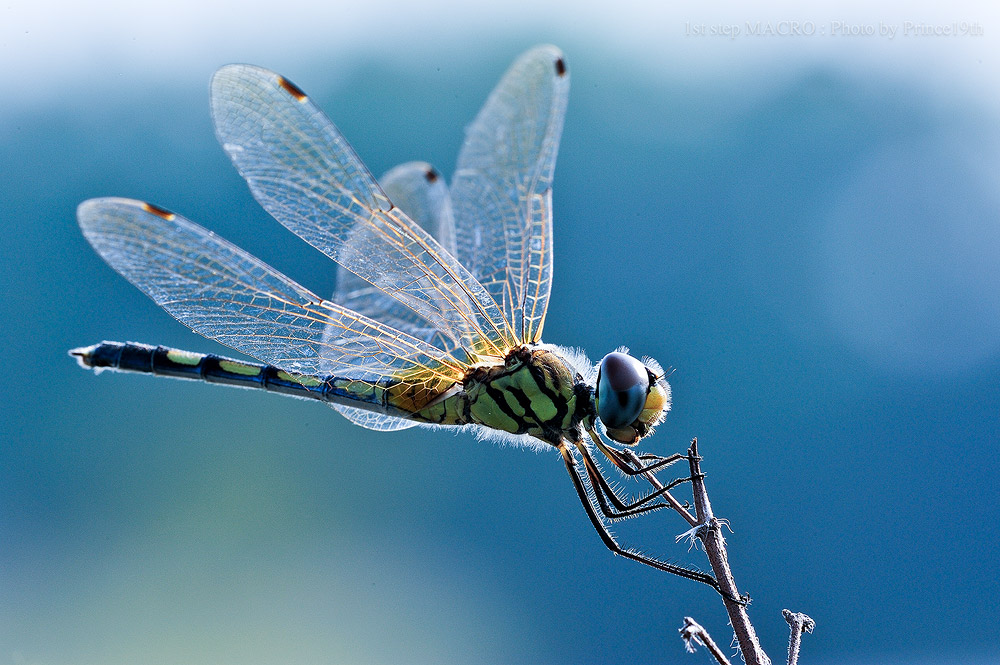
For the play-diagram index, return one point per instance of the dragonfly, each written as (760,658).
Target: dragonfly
(440,299)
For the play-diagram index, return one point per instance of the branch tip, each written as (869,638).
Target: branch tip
(693,634)
(798,623)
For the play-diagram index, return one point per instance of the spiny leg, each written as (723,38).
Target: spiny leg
(624,464)
(612,544)
(604,493)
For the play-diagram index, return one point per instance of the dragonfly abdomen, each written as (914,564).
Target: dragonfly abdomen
(175,363)
(208,367)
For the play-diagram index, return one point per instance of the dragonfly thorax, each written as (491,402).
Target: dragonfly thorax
(534,392)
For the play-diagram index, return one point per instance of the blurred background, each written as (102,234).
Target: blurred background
(797,209)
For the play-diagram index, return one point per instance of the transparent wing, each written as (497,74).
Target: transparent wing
(502,189)
(371,420)
(306,176)
(418,190)
(226,294)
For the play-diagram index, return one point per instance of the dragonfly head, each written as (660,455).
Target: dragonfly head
(632,396)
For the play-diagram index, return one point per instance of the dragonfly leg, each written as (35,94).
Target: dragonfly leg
(604,493)
(612,544)
(625,465)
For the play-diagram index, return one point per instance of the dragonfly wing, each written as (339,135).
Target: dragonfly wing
(303,172)
(418,190)
(224,293)
(502,189)
(371,420)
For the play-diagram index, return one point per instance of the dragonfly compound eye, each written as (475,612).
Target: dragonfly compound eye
(622,384)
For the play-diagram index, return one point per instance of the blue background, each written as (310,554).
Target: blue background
(814,253)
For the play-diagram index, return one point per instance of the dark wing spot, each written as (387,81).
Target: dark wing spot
(431,175)
(292,89)
(158,211)
(560,67)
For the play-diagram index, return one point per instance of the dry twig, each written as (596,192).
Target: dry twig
(798,623)
(708,529)
(692,633)
(715,548)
